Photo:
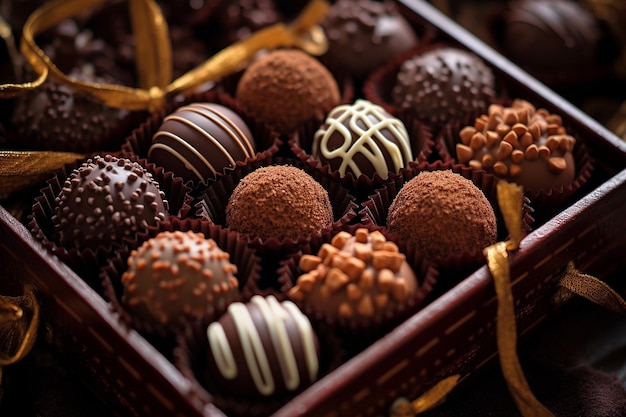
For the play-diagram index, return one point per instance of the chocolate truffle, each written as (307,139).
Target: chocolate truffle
(177,276)
(443,84)
(443,214)
(520,144)
(55,117)
(286,88)
(550,36)
(262,348)
(362,139)
(356,277)
(199,140)
(278,201)
(105,200)
(365,34)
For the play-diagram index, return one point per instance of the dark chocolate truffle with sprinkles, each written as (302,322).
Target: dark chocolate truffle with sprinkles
(365,34)
(55,117)
(105,200)
(261,349)
(177,276)
(443,84)
(199,140)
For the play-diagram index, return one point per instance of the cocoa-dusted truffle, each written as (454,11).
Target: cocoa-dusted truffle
(443,214)
(521,144)
(362,139)
(550,36)
(177,276)
(358,277)
(262,348)
(199,140)
(278,201)
(443,84)
(55,117)
(365,34)
(105,200)
(286,88)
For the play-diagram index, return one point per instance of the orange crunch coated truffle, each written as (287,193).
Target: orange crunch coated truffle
(287,87)
(443,214)
(355,277)
(278,201)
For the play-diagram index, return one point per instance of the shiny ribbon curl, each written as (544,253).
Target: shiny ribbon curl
(18,333)
(510,198)
(154,55)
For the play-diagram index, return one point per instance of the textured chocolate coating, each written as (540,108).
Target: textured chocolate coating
(443,214)
(356,277)
(105,200)
(200,140)
(263,348)
(520,144)
(550,35)
(362,139)
(55,117)
(365,34)
(177,276)
(278,201)
(286,88)
(443,84)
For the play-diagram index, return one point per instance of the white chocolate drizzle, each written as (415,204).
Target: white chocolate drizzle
(275,315)
(366,121)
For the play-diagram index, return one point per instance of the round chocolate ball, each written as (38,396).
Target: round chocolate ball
(278,201)
(262,348)
(362,139)
(365,34)
(177,276)
(443,84)
(105,200)
(443,214)
(286,88)
(198,141)
(550,36)
(356,278)
(521,144)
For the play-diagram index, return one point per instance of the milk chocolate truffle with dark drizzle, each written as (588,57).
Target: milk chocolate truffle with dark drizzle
(356,278)
(286,88)
(365,34)
(521,144)
(261,349)
(175,277)
(442,213)
(443,84)
(362,139)
(198,141)
(549,37)
(279,201)
(105,200)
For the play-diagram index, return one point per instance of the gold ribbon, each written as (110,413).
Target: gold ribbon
(510,197)
(19,322)
(154,55)
(427,401)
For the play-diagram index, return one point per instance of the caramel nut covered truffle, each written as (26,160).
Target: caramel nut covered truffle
(286,88)
(443,84)
(260,349)
(521,144)
(177,276)
(358,277)
(200,140)
(279,201)
(362,139)
(365,34)
(105,200)
(443,214)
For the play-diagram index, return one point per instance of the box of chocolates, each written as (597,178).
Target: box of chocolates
(296,207)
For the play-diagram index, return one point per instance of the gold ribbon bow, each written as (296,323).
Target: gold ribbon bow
(19,322)
(154,65)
